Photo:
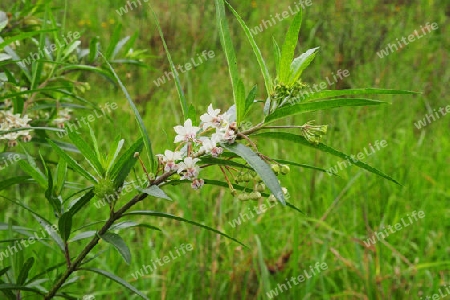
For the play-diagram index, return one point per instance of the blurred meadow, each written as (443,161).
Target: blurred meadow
(340,212)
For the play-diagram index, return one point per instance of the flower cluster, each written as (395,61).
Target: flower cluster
(10,121)
(195,142)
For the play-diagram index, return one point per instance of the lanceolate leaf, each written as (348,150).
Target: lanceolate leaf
(250,100)
(116,279)
(288,49)
(262,64)
(281,161)
(369,91)
(299,108)
(322,147)
(12,181)
(169,216)
(301,63)
(227,45)
(71,162)
(276,55)
(155,192)
(87,151)
(119,244)
(82,202)
(23,276)
(65,225)
(261,167)
(126,162)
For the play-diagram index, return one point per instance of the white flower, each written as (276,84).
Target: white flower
(210,145)
(197,184)
(186,133)
(212,118)
(169,159)
(10,121)
(189,167)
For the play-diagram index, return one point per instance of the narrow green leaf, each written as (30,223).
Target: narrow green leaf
(113,41)
(114,153)
(23,275)
(301,63)
(142,128)
(49,195)
(22,36)
(250,100)
(260,166)
(222,162)
(88,153)
(93,49)
(61,172)
(276,55)
(169,216)
(125,163)
(227,45)
(322,147)
(183,101)
(34,172)
(286,162)
(116,279)
(288,49)
(82,202)
(119,244)
(300,108)
(65,225)
(4,184)
(369,91)
(48,227)
(155,192)
(18,287)
(262,64)
(83,235)
(71,162)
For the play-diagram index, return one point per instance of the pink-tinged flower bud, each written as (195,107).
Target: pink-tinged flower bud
(197,184)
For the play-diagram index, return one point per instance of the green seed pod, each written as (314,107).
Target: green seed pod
(247,177)
(254,196)
(243,197)
(275,168)
(285,169)
(257,178)
(260,187)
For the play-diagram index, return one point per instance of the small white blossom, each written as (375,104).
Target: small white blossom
(189,167)
(169,159)
(212,118)
(11,121)
(186,133)
(210,145)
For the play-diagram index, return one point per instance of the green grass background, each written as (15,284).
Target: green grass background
(340,211)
